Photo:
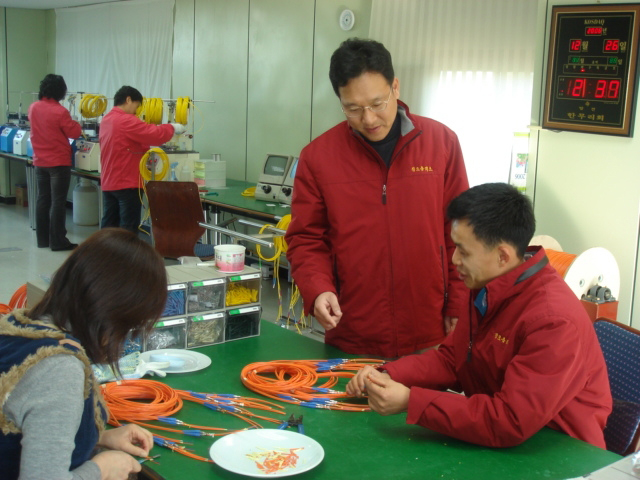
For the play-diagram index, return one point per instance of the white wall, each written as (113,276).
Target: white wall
(585,186)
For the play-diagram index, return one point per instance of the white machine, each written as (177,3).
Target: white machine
(180,168)
(286,192)
(272,177)
(20,142)
(87,155)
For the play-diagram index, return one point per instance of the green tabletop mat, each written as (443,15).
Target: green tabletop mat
(362,445)
(231,196)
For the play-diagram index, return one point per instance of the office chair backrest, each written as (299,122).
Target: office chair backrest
(621,348)
(175,209)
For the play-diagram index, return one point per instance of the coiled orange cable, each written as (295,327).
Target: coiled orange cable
(561,261)
(18,300)
(308,383)
(124,400)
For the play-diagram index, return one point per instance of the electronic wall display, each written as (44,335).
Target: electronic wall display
(591,74)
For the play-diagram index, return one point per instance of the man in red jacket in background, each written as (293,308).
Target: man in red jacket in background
(124,139)
(525,355)
(369,243)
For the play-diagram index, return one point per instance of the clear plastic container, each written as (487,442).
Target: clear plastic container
(242,323)
(243,289)
(206,329)
(168,333)
(176,300)
(205,295)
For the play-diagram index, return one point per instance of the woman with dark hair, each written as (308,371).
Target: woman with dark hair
(51,129)
(52,413)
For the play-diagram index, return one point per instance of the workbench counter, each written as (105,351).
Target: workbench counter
(362,445)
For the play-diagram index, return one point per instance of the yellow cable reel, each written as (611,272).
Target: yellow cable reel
(182,110)
(92,105)
(145,172)
(150,110)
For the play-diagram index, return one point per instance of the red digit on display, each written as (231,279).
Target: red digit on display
(601,87)
(578,88)
(614,89)
(575,45)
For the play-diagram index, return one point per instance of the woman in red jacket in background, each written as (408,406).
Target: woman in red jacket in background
(51,129)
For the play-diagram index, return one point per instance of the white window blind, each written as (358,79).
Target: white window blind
(467,64)
(100,48)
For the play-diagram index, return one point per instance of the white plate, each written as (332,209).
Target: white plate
(230,452)
(193,361)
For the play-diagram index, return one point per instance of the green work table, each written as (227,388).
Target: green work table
(230,199)
(360,445)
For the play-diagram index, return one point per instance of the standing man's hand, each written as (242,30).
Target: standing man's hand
(178,128)
(327,311)
(450,324)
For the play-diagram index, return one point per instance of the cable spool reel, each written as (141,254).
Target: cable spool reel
(92,106)
(149,161)
(593,273)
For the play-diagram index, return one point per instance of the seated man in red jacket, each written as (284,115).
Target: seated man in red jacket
(526,354)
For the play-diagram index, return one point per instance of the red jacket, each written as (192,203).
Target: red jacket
(124,139)
(535,361)
(386,256)
(51,129)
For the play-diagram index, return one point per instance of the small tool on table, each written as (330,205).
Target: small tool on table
(292,422)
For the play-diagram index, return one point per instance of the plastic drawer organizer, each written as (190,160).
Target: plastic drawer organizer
(206,307)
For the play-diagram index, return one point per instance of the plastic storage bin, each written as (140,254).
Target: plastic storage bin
(206,329)
(169,333)
(176,300)
(243,289)
(205,295)
(242,323)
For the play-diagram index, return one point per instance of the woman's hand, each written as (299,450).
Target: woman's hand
(130,439)
(116,465)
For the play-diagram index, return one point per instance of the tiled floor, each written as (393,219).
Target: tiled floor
(22,261)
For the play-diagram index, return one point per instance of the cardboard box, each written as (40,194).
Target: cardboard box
(21,196)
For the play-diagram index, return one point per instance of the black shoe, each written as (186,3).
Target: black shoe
(71,246)
(43,246)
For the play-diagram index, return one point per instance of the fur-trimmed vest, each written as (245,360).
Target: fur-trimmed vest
(23,343)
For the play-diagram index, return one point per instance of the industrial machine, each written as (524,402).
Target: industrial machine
(181,165)
(20,142)
(6,138)
(272,177)
(286,192)
(87,156)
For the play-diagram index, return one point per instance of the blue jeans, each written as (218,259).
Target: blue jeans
(121,208)
(51,215)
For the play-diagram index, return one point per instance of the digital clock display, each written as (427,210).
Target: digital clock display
(589,88)
(591,74)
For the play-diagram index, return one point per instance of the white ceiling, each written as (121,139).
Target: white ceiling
(49,4)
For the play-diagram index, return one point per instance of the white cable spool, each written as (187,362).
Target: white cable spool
(595,266)
(547,242)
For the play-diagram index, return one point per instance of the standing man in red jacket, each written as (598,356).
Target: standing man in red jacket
(51,129)
(369,243)
(124,139)
(525,354)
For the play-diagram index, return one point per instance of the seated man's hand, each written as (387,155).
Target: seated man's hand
(327,311)
(356,386)
(386,397)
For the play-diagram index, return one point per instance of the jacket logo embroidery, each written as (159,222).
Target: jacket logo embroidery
(422,168)
(500,338)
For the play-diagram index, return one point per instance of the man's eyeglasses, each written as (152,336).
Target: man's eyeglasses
(357,111)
